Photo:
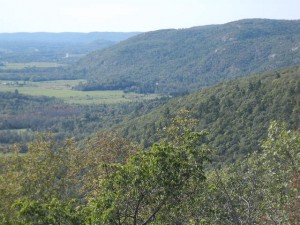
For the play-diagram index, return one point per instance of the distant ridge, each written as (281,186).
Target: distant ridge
(43,46)
(178,61)
(73,37)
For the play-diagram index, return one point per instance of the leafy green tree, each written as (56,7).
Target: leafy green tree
(56,172)
(151,184)
(262,188)
(45,172)
(281,160)
(101,155)
(53,212)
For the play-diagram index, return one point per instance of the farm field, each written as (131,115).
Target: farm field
(62,89)
(31,64)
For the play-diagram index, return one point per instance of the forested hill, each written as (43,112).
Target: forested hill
(176,61)
(236,113)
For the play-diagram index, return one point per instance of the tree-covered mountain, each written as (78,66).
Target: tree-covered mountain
(177,61)
(236,113)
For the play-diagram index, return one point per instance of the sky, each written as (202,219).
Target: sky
(134,15)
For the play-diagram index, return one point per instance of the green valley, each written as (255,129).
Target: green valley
(194,126)
(63,89)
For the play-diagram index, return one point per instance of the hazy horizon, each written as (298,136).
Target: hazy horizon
(135,15)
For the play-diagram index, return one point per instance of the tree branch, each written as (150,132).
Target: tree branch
(156,211)
(234,213)
(136,211)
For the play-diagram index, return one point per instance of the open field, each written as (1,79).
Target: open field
(29,65)
(18,131)
(62,89)
(4,154)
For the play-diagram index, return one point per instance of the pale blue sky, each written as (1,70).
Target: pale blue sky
(134,15)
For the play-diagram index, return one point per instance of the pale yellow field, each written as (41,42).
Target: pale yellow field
(62,89)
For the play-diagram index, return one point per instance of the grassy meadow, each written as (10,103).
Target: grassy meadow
(62,89)
(31,64)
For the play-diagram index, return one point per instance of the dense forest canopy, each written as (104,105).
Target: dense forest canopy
(17,123)
(236,113)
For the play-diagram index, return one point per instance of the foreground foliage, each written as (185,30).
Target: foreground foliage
(153,182)
(111,182)
(262,188)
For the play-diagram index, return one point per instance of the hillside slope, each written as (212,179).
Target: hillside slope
(236,113)
(176,61)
